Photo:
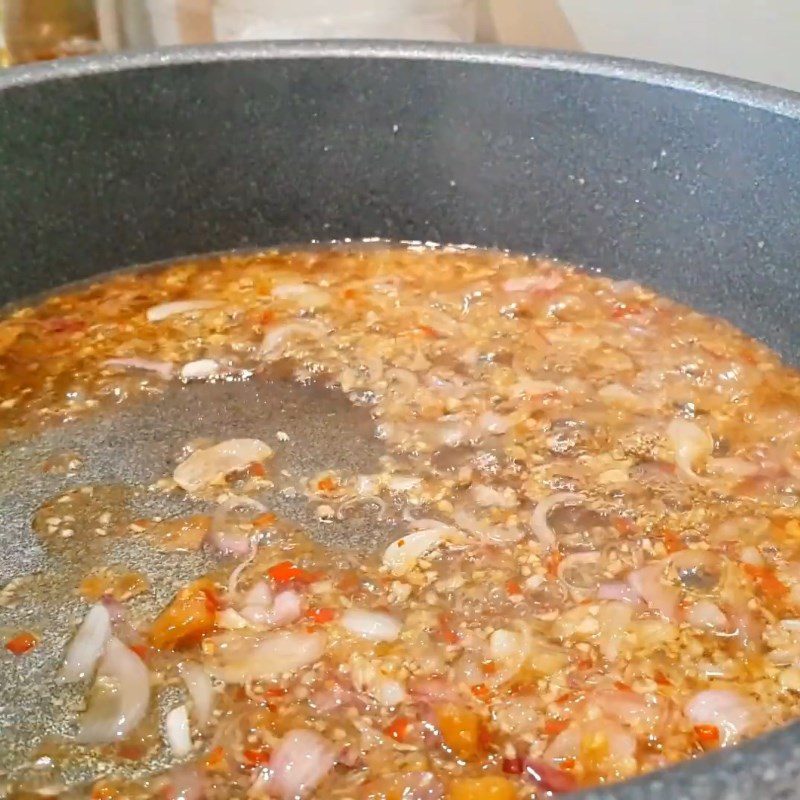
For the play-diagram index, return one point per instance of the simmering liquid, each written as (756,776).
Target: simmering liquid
(594,566)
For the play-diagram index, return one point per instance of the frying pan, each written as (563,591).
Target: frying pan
(684,181)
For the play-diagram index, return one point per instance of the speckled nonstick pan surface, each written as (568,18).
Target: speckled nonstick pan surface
(687,182)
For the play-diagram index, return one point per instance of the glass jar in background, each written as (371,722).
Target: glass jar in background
(36,30)
(40,30)
(181,21)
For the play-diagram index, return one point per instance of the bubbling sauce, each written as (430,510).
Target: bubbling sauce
(594,567)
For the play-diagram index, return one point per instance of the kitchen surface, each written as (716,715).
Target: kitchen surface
(751,40)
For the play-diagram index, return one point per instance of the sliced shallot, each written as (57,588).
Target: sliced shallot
(374,625)
(176,731)
(299,764)
(163,369)
(691,444)
(200,370)
(647,583)
(618,591)
(275,338)
(541,529)
(286,608)
(221,536)
(208,465)
(705,614)
(241,657)
(200,689)
(119,698)
(161,312)
(732,713)
(539,282)
(87,645)
(304,295)
(401,555)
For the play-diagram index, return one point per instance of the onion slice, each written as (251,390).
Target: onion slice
(176,730)
(691,444)
(200,689)
(164,310)
(163,369)
(375,625)
(538,282)
(733,713)
(212,463)
(87,646)
(120,696)
(275,338)
(284,609)
(199,370)
(241,657)
(224,540)
(647,583)
(541,529)
(299,764)
(402,554)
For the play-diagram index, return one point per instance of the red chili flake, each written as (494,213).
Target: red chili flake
(398,729)
(431,333)
(552,727)
(549,778)
(216,760)
(661,679)
(141,650)
(623,525)
(623,687)
(257,757)
(482,692)
(707,734)
(21,643)
(553,561)
(512,587)
(673,542)
(256,470)
(513,766)
(484,737)
(265,520)
(213,601)
(446,630)
(326,484)
(321,615)
(286,572)
(64,325)
(767,581)
(625,310)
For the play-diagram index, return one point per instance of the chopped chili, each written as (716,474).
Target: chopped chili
(21,643)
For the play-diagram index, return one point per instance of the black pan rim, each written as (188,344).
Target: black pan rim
(782,102)
(770,755)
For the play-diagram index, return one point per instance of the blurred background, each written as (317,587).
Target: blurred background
(753,39)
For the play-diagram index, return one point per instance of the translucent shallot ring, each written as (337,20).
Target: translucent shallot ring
(230,543)
(574,560)
(539,525)
(274,339)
